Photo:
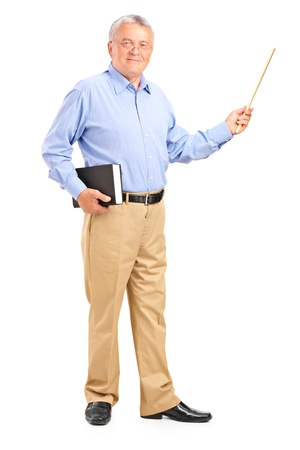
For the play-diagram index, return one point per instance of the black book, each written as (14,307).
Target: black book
(106,178)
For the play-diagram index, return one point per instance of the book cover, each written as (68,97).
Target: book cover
(106,178)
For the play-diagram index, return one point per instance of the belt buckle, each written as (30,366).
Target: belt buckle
(146,199)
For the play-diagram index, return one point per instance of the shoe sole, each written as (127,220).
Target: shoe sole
(160,416)
(96,422)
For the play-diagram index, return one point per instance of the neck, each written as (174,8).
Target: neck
(135,82)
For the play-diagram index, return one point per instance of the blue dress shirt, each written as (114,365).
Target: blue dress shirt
(112,122)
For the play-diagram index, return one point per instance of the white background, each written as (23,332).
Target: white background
(232,229)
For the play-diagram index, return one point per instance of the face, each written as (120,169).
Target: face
(131,50)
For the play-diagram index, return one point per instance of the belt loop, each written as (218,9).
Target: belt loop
(146,200)
(126,198)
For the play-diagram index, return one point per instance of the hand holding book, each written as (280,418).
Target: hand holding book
(104,187)
(92,201)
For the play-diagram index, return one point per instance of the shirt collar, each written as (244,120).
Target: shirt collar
(120,83)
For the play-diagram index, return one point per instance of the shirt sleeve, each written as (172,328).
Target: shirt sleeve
(57,148)
(184,147)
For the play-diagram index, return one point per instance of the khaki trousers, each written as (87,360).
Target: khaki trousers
(124,250)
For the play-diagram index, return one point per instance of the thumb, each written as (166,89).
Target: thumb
(105,198)
(242,110)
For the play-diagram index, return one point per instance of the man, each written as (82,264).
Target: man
(119,117)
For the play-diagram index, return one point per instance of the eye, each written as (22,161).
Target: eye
(126,44)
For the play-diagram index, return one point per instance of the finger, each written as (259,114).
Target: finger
(99,195)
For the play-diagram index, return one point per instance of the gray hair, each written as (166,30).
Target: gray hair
(131,18)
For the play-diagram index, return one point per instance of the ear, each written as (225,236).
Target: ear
(109,47)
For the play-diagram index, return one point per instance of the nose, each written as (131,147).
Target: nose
(135,50)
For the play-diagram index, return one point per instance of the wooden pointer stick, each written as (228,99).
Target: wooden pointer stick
(262,75)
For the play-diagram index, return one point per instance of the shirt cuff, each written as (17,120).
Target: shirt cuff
(75,186)
(220,133)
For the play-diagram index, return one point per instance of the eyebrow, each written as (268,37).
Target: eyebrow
(127,39)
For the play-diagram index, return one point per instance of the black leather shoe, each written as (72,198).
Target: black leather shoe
(182,413)
(98,413)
